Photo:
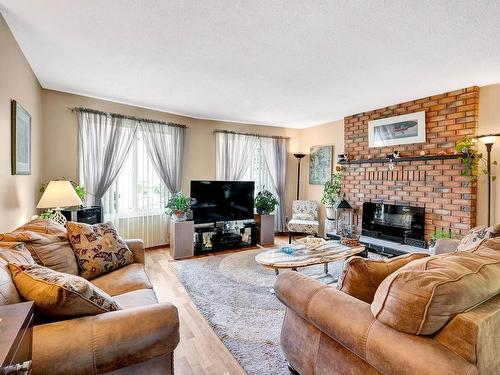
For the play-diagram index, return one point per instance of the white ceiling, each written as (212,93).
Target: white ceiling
(293,63)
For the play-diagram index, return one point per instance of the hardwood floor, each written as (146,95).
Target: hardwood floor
(200,352)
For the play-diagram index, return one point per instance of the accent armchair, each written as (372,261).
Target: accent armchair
(304,219)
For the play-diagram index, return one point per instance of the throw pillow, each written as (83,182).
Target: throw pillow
(98,248)
(475,236)
(423,296)
(306,217)
(361,277)
(15,252)
(59,294)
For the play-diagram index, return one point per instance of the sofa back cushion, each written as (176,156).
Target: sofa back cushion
(58,294)
(48,244)
(421,297)
(361,277)
(98,248)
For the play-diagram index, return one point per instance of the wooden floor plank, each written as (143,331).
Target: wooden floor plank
(200,351)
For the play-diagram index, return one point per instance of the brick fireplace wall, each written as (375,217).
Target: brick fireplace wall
(449,198)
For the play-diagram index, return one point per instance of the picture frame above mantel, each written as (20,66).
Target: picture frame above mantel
(397,130)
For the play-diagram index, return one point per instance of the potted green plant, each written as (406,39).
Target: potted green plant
(265,202)
(331,194)
(471,159)
(178,206)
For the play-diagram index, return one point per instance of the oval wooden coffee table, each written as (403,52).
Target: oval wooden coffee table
(302,257)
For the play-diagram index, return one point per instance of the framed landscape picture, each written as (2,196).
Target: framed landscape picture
(320,164)
(397,130)
(20,139)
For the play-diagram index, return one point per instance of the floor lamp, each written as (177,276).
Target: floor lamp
(299,158)
(488,140)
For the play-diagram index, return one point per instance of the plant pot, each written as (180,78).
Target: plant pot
(330,212)
(179,216)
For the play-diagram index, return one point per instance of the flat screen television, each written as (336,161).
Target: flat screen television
(222,200)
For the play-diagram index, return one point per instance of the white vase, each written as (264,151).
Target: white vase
(330,212)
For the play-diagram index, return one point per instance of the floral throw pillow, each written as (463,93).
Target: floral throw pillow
(98,248)
(475,236)
(59,294)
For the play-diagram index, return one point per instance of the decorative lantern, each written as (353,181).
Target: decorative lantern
(343,216)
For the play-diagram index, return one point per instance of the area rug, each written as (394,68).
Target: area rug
(232,292)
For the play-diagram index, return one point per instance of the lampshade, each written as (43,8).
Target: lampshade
(488,138)
(59,194)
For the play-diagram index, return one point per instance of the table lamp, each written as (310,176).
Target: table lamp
(57,195)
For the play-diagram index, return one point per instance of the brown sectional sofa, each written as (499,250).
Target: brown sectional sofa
(140,339)
(328,331)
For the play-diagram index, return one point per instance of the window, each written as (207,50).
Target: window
(258,171)
(136,200)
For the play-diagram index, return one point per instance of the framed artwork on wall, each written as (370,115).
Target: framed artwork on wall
(320,164)
(20,140)
(397,130)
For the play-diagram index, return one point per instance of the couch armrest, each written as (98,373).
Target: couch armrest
(361,277)
(105,342)
(137,248)
(445,245)
(339,315)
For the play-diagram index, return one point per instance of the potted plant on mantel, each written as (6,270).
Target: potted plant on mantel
(331,194)
(265,204)
(178,206)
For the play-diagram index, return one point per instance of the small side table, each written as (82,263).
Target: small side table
(16,338)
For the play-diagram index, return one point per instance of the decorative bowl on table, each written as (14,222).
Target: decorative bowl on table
(351,241)
(287,249)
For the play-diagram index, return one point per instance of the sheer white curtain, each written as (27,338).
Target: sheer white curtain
(254,158)
(234,155)
(165,146)
(130,167)
(275,151)
(104,145)
(135,202)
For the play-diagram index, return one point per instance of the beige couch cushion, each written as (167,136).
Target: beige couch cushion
(123,280)
(58,294)
(361,277)
(48,244)
(136,298)
(98,248)
(421,297)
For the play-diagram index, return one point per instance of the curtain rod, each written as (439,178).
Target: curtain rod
(83,109)
(250,134)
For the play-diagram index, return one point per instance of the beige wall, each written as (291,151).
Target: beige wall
(489,122)
(61,138)
(18,194)
(331,133)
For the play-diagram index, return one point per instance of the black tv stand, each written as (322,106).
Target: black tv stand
(214,237)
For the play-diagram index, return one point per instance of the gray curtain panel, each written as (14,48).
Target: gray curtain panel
(275,154)
(104,144)
(234,155)
(165,146)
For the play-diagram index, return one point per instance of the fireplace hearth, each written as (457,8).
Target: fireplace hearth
(392,222)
